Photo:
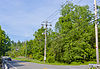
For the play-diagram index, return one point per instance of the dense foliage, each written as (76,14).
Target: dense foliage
(4,42)
(73,40)
(77,34)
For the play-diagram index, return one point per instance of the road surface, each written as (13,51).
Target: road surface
(28,65)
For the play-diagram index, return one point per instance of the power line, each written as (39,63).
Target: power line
(56,12)
(72,2)
(71,32)
(51,17)
(74,31)
(62,7)
(76,3)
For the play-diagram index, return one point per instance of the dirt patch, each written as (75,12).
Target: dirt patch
(21,57)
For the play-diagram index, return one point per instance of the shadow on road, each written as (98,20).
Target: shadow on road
(16,63)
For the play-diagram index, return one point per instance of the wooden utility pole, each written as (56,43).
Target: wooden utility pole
(96,32)
(46,24)
(45,41)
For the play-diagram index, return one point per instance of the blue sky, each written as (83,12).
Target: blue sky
(21,18)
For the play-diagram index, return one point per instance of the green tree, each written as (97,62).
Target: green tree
(38,44)
(76,40)
(72,41)
(4,42)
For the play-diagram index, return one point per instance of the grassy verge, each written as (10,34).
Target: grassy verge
(28,60)
(56,63)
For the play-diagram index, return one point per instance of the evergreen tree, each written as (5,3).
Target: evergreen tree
(4,42)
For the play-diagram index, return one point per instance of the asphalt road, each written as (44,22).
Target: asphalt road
(29,65)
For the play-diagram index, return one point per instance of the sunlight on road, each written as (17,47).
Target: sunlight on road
(23,63)
(44,68)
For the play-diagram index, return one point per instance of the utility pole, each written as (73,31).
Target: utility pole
(46,24)
(96,32)
(45,41)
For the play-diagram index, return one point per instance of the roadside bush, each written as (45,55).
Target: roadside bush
(50,59)
(30,56)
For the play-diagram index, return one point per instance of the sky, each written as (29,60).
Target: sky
(21,18)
